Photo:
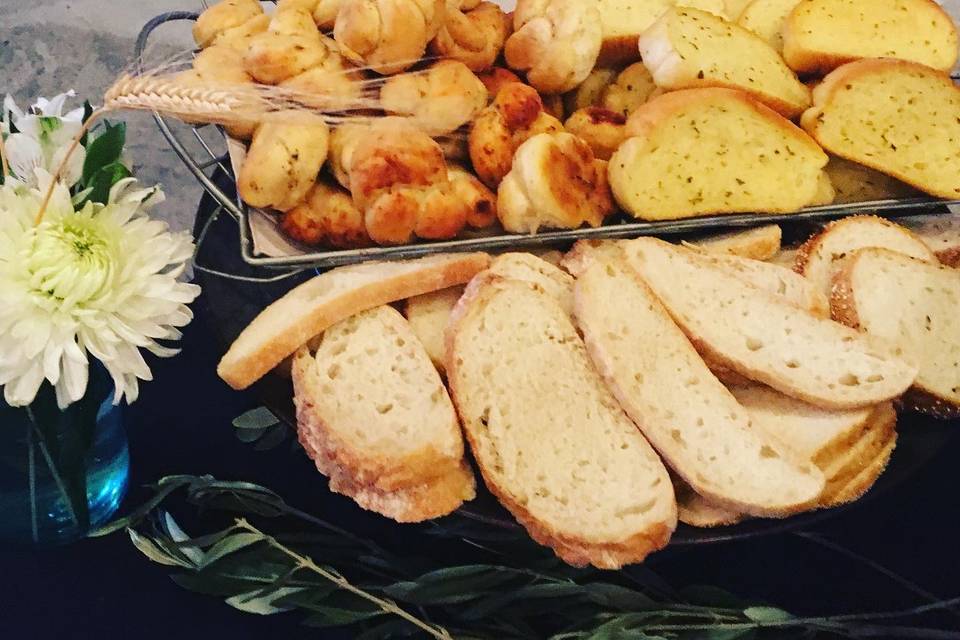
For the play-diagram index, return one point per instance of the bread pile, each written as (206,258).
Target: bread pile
(609,392)
(442,116)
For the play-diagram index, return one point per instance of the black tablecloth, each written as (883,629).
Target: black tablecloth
(104,588)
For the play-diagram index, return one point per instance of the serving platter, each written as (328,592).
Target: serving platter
(232,302)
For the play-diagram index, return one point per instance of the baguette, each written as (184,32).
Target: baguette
(819,258)
(547,435)
(688,48)
(428,315)
(696,511)
(765,338)
(862,482)
(757,160)
(911,133)
(766,19)
(759,243)
(699,428)
(544,276)
(322,301)
(913,305)
(845,466)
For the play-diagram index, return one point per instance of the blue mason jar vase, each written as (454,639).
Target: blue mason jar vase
(62,473)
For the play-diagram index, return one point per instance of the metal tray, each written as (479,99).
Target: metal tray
(203,150)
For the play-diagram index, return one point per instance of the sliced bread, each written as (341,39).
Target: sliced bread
(820,257)
(428,315)
(688,48)
(307,310)
(699,428)
(526,267)
(813,433)
(766,19)
(703,151)
(371,394)
(759,243)
(847,464)
(820,35)
(900,118)
(940,232)
(913,305)
(548,436)
(765,338)
(854,182)
(696,511)
(862,482)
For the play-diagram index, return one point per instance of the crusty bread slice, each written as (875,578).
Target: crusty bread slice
(765,338)
(815,434)
(897,117)
(547,434)
(702,151)
(785,258)
(526,267)
(315,305)
(913,305)
(735,8)
(428,315)
(863,481)
(696,511)
(688,48)
(820,35)
(854,182)
(758,243)
(374,398)
(766,19)
(940,232)
(821,256)
(686,413)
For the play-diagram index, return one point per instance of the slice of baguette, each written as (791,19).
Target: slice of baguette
(687,414)
(821,256)
(940,232)
(765,338)
(758,243)
(913,305)
(861,454)
(428,315)
(696,511)
(854,182)
(766,19)
(688,48)
(815,434)
(820,35)
(547,434)
(862,482)
(900,118)
(374,398)
(307,310)
(703,151)
(526,267)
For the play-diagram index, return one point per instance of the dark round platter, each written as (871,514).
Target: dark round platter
(232,304)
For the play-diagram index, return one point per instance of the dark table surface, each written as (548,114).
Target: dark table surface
(104,588)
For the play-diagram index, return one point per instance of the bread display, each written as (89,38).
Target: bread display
(759,243)
(688,48)
(555,182)
(388,36)
(590,92)
(475,37)
(854,182)
(700,151)
(555,42)
(633,87)
(480,202)
(283,161)
(596,493)
(327,216)
(440,99)
(331,85)
(516,115)
(767,339)
(911,304)
(428,315)
(290,45)
(821,35)
(602,129)
(223,17)
(920,113)
(821,257)
(766,19)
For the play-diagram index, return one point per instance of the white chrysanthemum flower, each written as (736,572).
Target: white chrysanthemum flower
(102,281)
(44,134)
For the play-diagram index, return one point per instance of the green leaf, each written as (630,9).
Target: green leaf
(228,545)
(388,629)
(238,497)
(247,436)
(767,614)
(712,597)
(260,603)
(166,486)
(613,596)
(103,151)
(104,178)
(149,548)
(451,585)
(325,617)
(274,437)
(717,634)
(259,418)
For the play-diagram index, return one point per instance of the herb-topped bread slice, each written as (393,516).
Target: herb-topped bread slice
(766,339)
(898,117)
(766,19)
(661,381)
(548,436)
(914,305)
(820,35)
(703,151)
(688,48)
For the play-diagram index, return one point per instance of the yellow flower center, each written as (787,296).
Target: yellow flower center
(71,259)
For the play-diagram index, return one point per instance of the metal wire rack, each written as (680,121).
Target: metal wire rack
(210,154)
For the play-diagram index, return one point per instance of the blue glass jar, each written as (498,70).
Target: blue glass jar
(62,473)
